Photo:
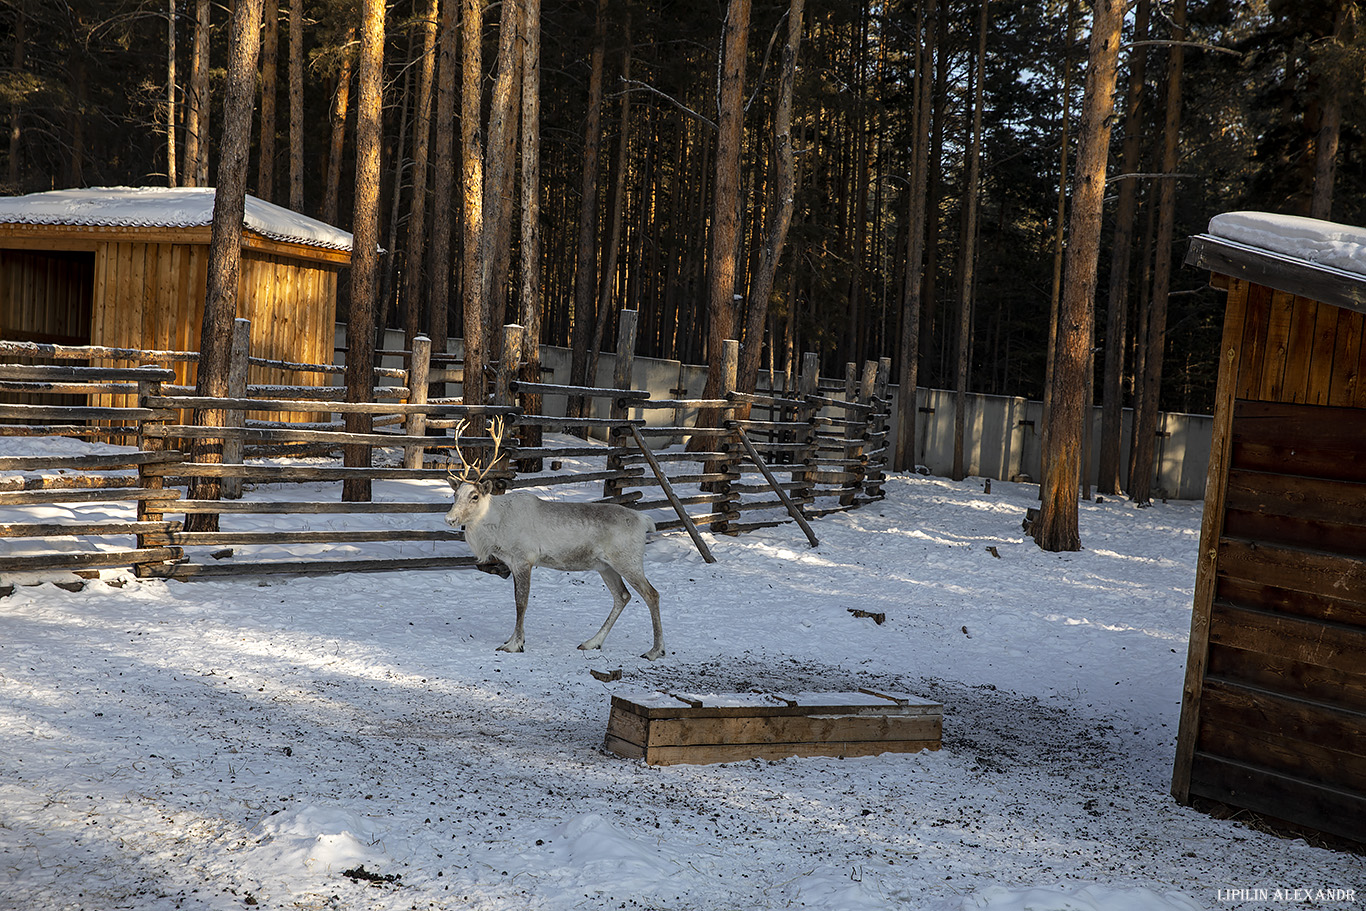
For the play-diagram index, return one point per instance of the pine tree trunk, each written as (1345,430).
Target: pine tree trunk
(780,211)
(414,276)
(1126,211)
(586,263)
(15,111)
(340,105)
(443,172)
(969,253)
(1055,298)
(197,98)
(616,201)
(391,261)
(270,52)
(934,173)
(1056,528)
(1145,421)
(170,94)
(225,246)
(472,174)
(531,218)
(360,325)
(1330,124)
(725,222)
(500,171)
(909,355)
(296,105)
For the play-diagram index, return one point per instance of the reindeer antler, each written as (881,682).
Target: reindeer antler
(497,430)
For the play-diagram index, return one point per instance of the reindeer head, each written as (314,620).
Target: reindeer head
(471,485)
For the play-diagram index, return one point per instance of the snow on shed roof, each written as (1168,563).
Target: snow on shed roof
(1324,243)
(163,207)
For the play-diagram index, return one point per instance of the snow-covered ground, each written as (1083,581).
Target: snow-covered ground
(235,744)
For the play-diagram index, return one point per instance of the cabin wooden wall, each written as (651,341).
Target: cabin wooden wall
(1274,711)
(292,306)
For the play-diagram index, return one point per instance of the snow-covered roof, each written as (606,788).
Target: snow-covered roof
(163,207)
(1323,243)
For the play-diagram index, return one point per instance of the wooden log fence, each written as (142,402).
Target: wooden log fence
(779,456)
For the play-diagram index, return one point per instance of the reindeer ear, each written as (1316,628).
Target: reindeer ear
(485,488)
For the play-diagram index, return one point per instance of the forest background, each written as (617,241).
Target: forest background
(627,129)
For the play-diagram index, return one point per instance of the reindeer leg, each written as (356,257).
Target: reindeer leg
(647,591)
(619,598)
(521,588)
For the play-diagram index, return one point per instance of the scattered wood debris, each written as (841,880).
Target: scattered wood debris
(878,618)
(606,676)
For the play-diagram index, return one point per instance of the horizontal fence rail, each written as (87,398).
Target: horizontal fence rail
(770,459)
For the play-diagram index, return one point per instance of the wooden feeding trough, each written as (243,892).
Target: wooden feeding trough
(673,728)
(1273,716)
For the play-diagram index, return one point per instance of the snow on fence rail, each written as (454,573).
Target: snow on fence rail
(775,458)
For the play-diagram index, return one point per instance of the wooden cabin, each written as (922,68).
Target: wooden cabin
(127,267)
(1273,715)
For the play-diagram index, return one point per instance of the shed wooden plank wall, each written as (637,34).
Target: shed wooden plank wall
(1274,714)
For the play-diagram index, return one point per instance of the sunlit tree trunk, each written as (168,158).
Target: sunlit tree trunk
(225,247)
(725,221)
(360,324)
(1126,211)
(340,105)
(1056,528)
(1055,299)
(472,175)
(170,95)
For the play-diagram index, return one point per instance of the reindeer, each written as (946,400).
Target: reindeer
(523,531)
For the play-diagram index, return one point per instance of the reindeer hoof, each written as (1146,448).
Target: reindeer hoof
(515,647)
(589,646)
(654,654)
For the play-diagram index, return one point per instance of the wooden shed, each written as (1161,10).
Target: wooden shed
(127,267)
(1273,715)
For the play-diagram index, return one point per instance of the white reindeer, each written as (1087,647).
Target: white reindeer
(523,531)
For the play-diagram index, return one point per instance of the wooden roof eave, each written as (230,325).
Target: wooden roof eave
(1278,271)
(17,236)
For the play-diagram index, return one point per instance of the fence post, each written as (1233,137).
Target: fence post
(853,448)
(238,362)
(419,372)
(808,381)
(148,510)
(504,377)
(867,383)
(621,380)
(730,369)
(877,430)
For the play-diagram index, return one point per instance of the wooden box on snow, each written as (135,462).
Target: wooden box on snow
(671,728)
